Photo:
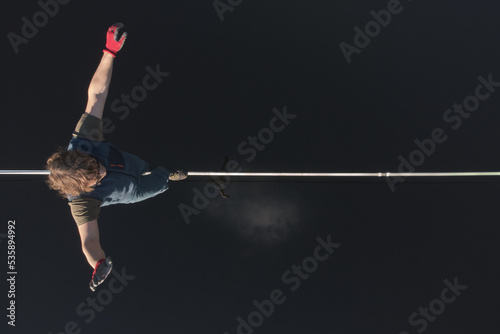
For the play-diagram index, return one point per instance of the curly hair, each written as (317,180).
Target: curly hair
(72,172)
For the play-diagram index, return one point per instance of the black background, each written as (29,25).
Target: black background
(396,249)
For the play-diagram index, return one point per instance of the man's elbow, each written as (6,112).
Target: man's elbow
(97,93)
(90,244)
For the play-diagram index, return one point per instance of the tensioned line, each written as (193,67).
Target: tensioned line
(300,175)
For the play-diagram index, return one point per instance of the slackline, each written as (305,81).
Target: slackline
(298,175)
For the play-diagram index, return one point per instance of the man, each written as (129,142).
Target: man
(92,173)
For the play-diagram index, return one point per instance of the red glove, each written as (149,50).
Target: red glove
(113,45)
(101,271)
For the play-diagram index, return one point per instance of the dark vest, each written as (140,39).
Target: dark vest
(122,172)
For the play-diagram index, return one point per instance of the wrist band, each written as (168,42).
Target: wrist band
(110,52)
(97,265)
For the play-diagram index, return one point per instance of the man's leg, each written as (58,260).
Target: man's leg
(152,184)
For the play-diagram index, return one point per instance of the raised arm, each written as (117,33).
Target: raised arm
(98,89)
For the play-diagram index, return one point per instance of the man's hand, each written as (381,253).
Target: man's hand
(113,45)
(101,271)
